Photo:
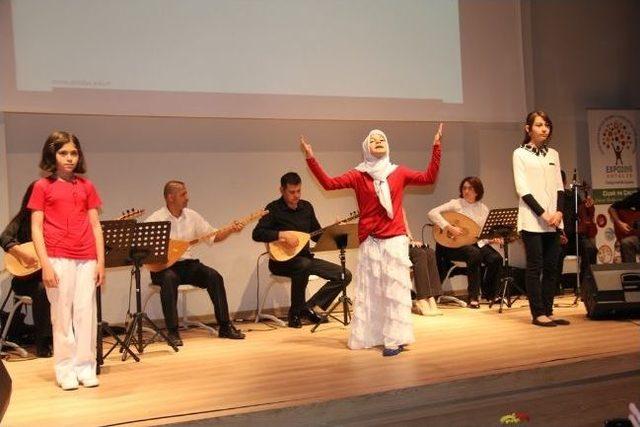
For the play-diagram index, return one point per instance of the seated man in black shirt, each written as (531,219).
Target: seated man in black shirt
(291,213)
(630,244)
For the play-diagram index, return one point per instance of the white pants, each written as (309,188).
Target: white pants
(73,317)
(382,309)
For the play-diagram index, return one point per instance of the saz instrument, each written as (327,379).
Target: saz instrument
(630,217)
(178,247)
(470,231)
(280,251)
(17,268)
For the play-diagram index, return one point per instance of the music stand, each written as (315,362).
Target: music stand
(339,237)
(116,237)
(503,223)
(146,242)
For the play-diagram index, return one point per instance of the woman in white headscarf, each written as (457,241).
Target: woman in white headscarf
(382,312)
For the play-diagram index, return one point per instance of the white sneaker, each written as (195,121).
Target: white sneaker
(90,381)
(69,383)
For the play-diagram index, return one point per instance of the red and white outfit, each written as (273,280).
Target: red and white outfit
(382,312)
(71,248)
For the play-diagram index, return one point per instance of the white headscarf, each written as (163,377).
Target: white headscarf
(379,169)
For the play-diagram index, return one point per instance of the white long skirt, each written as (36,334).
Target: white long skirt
(382,306)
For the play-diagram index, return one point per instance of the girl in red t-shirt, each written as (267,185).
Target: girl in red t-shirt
(68,238)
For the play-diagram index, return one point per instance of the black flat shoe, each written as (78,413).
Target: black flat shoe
(310,315)
(561,322)
(294,321)
(544,324)
(175,337)
(231,332)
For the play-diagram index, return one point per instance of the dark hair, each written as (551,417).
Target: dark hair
(531,117)
(171,186)
(290,178)
(24,214)
(475,182)
(54,142)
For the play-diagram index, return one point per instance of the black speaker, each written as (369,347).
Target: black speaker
(612,290)
(5,390)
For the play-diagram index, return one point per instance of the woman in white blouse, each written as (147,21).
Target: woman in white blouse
(536,171)
(469,204)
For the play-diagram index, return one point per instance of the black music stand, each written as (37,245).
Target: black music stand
(339,237)
(146,242)
(503,223)
(117,238)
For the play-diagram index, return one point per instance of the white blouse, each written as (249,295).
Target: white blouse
(538,175)
(477,211)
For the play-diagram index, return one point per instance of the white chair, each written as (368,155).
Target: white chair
(274,280)
(183,290)
(454,284)
(18,301)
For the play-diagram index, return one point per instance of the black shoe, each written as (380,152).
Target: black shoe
(230,331)
(545,324)
(311,315)
(561,322)
(43,350)
(294,321)
(175,337)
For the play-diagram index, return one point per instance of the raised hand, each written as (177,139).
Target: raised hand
(437,138)
(306,148)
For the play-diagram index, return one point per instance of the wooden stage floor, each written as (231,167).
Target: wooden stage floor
(276,368)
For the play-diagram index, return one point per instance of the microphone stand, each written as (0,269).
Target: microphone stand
(575,186)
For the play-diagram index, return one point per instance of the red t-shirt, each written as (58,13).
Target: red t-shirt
(67,231)
(374,220)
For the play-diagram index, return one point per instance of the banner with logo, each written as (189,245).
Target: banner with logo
(613,146)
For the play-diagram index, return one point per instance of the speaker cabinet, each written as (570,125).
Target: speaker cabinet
(5,389)
(612,290)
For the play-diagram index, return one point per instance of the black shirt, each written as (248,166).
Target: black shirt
(282,218)
(629,202)
(17,231)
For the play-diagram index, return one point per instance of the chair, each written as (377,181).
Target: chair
(275,280)
(18,301)
(453,284)
(183,290)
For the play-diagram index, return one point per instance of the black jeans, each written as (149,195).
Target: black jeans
(195,273)
(474,256)
(299,269)
(33,287)
(542,252)
(425,272)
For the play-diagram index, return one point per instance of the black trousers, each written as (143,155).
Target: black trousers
(195,273)
(542,252)
(425,272)
(299,269)
(474,256)
(33,287)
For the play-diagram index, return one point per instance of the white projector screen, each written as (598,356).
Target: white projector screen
(355,59)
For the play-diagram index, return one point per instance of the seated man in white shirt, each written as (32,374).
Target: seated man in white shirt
(187,224)
(471,192)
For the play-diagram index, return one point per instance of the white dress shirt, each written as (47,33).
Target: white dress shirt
(190,225)
(477,211)
(538,175)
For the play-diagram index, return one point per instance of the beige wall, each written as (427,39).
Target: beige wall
(585,55)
